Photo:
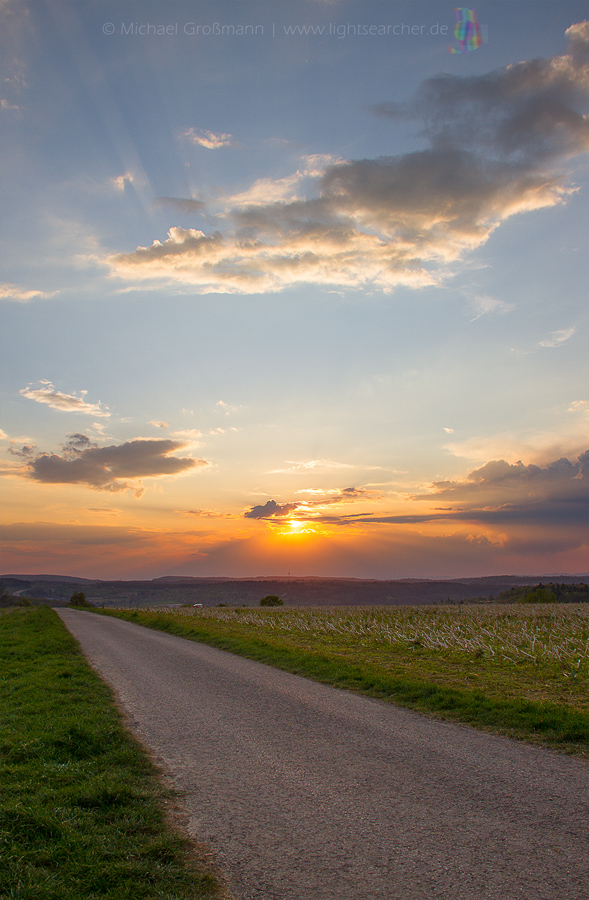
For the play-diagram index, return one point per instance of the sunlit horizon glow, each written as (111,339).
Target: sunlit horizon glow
(293,303)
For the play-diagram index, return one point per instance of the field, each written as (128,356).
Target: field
(82,814)
(519,669)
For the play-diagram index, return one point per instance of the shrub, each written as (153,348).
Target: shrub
(271,600)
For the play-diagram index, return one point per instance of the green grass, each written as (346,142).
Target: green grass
(516,670)
(82,812)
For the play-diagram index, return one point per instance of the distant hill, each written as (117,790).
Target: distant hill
(295,591)
(62,579)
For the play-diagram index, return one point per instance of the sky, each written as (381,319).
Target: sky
(294,288)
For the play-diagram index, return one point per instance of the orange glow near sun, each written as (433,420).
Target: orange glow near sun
(295,526)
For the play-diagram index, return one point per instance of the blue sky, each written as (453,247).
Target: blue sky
(294,301)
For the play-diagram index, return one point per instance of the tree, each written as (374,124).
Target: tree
(271,600)
(78,598)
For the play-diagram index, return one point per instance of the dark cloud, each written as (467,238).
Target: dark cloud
(107,468)
(350,494)
(526,113)
(502,494)
(269,510)
(304,508)
(76,443)
(25,452)
(498,483)
(496,147)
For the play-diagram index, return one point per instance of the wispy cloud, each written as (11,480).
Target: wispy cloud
(205,514)
(497,146)
(267,191)
(311,464)
(208,139)
(558,337)
(120,182)
(48,394)
(21,295)
(485,305)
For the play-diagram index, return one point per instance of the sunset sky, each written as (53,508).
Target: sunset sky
(289,287)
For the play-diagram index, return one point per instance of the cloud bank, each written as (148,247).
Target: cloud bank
(497,145)
(503,494)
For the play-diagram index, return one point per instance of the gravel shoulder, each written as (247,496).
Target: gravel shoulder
(306,792)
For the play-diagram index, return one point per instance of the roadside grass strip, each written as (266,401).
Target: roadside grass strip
(522,671)
(82,813)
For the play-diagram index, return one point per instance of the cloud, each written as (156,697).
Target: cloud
(311,464)
(189,434)
(497,144)
(284,190)
(77,442)
(559,337)
(568,435)
(271,509)
(114,468)
(123,181)
(159,424)
(24,452)
(205,514)
(310,508)
(5,105)
(504,494)
(21,295)
(499,485)
(65,402)
(208,139)
(522,508)
(484,305)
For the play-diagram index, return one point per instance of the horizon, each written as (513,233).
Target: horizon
(295,287)
(171,578)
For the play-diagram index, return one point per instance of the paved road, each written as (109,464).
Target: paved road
(305,792)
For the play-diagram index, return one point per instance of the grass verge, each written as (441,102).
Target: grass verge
(82,813)
(534,700)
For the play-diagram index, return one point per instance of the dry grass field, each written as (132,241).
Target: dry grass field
(520,669)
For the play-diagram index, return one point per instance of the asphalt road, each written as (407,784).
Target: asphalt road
(305,792)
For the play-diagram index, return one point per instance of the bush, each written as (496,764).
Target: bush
(271,600)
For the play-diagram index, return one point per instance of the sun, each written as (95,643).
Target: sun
(295,526)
